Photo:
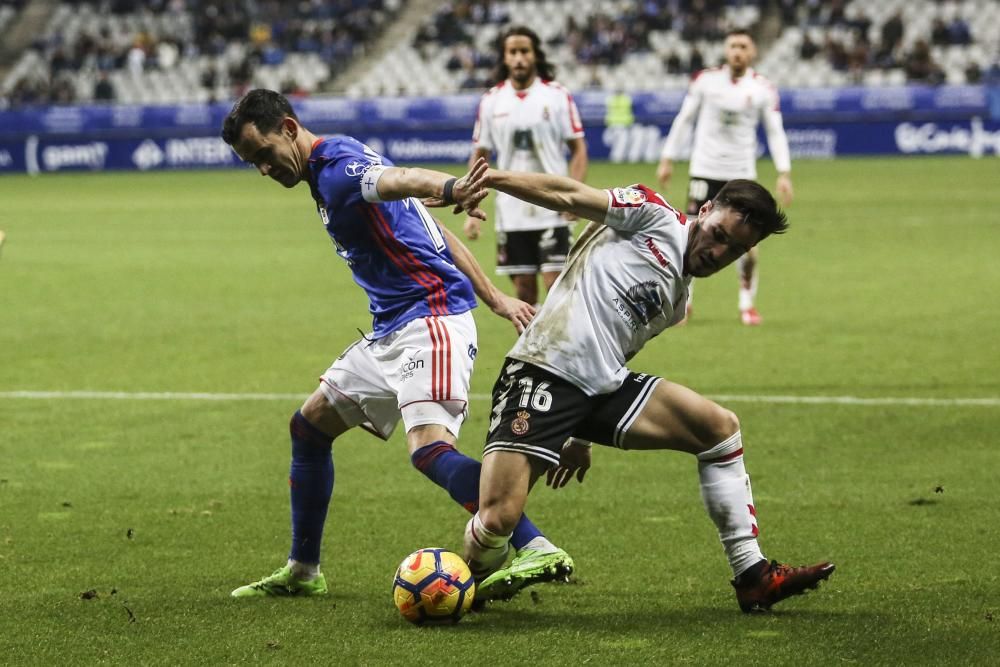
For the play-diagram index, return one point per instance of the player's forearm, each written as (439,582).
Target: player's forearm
(557,193)
(402,182)
(777,142)
(466,262)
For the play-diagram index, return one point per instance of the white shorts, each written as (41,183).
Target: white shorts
(419,374)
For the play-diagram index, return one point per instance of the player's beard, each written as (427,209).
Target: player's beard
(522,77)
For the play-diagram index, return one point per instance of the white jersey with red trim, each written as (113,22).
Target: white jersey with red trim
(726,112)
(528,130)
(623,285)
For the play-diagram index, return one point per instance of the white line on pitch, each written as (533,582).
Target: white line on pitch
(722,398)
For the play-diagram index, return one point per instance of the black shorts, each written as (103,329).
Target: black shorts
(700,190)
(534,411)
(535,251)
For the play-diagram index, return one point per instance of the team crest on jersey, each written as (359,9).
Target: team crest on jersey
(356,167)
(645,300)
(520,426)
(628,196)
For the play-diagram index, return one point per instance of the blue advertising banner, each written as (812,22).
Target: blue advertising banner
(820,123)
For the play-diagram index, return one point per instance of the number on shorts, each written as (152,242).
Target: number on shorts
(538,398)
(698,189)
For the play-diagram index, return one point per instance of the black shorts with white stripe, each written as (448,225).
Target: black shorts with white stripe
(534,411)
(533,251)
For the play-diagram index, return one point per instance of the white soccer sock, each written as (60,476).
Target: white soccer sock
(748,293)
(304,571)
(542,544)
(725,490)
(486,551)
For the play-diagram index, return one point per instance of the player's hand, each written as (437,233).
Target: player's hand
(573,459)
(663,173)
(471,189)
(518,312)
(467,192)
(784,189)
(471,228)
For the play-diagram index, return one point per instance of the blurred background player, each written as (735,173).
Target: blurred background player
(725,104)
(417,364)
(567,375)
(528,120)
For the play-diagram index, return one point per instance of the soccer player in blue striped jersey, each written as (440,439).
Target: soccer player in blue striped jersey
(416,364)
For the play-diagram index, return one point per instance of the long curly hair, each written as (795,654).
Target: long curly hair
(544,69)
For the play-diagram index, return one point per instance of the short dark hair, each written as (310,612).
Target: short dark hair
(738,32)
(757,205)
(545,70)
(264,108)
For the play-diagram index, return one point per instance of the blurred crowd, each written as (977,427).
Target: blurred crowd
(337,30)
(597,39)
(848,47)
(241,35)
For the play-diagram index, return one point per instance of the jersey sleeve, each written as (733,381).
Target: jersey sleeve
(680,130)
(572,126)
(482,132)
(774,129)
(341,182)
(637,207)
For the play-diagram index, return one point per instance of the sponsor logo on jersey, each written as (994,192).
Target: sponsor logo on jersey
(473,351)
(628,196)
(625,313)
(640,305)
(660,259)
(520,425)
(646,301)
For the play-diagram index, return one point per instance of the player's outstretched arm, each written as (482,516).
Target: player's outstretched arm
(518,312)
(557,193)
(436,188)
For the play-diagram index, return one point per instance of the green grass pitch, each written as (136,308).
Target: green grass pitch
(221,282)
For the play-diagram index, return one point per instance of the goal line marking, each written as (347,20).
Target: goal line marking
(721,398)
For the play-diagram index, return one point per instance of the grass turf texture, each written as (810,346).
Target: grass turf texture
(223,282)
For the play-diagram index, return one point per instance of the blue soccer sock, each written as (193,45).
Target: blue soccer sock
(458,474)
(311,482)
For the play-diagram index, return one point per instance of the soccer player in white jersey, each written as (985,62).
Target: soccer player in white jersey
(726,104)
(626,280)
(528,120)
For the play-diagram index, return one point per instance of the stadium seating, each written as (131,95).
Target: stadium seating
(191,50)
(169,51)
(596,43)
(850,46)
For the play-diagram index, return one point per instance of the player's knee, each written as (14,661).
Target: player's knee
(499,518)
(722,424)
(315,407)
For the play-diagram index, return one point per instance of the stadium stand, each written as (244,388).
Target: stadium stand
(883,43)
(172,51)
(168,51)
